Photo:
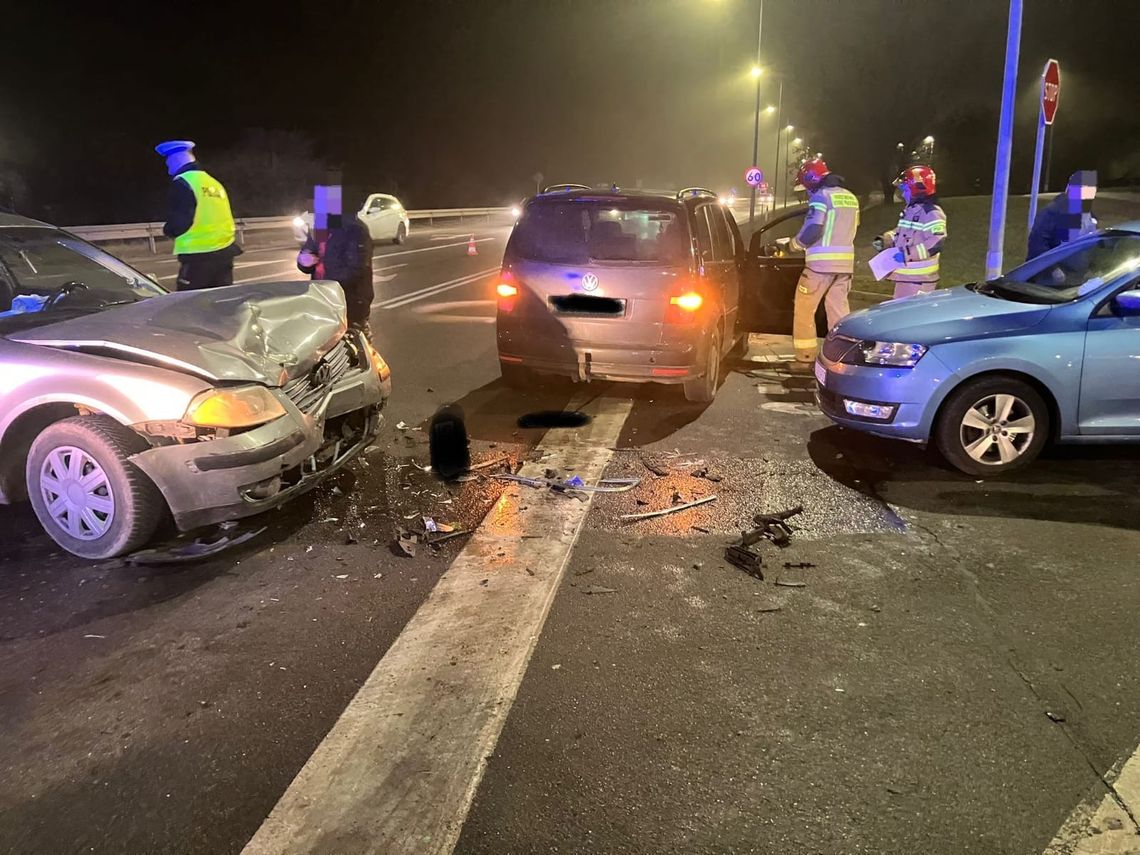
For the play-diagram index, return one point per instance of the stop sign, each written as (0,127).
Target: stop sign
(1050,90)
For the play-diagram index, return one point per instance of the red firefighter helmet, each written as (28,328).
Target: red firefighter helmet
(919,179)
(812,172)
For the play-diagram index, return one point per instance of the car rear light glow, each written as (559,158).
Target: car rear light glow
(506,289)
(690,301)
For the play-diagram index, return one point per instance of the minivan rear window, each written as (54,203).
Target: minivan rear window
(578,232)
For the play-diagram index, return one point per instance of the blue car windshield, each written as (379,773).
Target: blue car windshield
(1068,272)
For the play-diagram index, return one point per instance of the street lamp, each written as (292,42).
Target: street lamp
(757,71)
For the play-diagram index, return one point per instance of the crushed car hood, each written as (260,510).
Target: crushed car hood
(264,333)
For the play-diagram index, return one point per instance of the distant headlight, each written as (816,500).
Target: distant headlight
(241,407)
(516,211)
(889,353)
(299,222)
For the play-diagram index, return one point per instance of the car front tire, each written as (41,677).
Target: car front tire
(401,235)
(992,425)
(86,493)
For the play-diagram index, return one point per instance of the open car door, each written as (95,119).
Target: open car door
(771,271)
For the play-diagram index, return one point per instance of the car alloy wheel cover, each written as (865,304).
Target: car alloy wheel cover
(77,493)
(997,429)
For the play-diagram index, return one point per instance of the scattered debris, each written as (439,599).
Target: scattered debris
(529,572)
(350,539)
(93,635)
(487,464)
(769,609)
(407,541)
(598,589)
(677,498)
(657,469)
(574,486)
(377,575)
(781,583)
(422,468)
(342,576)
(404,426)
(191,551)
(308,548)
(799,565)
(441,538)
(331,519)
(1055,717)
(429,524)
(664,511)
(463,479)
(337,491)
(708,476)
(701,530)
(773,527)
(555,667)
(746,559)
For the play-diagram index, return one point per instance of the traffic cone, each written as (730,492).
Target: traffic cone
(471,250)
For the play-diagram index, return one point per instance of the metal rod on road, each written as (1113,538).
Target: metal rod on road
(1004,143)
(756,126)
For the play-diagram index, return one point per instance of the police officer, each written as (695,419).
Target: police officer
(920,234)
(199,220)
(828,240)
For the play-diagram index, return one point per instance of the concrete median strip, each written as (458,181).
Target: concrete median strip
(1107,826)
(398,771)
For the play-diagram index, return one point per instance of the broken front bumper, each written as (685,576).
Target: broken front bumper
(238,476)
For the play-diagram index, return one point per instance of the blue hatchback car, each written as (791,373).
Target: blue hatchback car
(993,371)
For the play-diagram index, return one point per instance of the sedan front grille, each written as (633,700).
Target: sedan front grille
(309,390)
(835,347)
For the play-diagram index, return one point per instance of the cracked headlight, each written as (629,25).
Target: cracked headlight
(889,353)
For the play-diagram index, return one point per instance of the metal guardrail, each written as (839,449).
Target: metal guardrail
(152,232)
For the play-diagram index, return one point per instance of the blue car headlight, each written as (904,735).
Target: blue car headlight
(893,354)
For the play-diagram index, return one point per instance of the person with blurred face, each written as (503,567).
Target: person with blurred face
(828,241)
(919,236)
(199,220)
(346,259)
(1067,217)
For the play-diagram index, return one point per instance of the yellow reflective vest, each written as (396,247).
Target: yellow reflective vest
(213,226)
(834,213)
(919,236)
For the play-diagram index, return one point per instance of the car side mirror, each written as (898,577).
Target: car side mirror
(1128,303)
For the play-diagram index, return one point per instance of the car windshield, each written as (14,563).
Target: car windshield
(1068,272)
(47,273)
(581,231)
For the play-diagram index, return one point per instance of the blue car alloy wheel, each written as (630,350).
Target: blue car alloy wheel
(992,424)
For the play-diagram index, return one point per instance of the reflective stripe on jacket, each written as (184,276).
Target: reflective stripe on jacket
(919,235)
(836,210)
(213,226)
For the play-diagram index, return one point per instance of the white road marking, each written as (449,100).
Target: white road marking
(432,290)
(398,771)
(429,248)
(1114,818)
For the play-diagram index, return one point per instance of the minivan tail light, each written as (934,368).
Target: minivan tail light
(506,289)
(507,292)
(683,308)
(689,302)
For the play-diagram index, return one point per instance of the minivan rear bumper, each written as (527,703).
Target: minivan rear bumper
(674,361)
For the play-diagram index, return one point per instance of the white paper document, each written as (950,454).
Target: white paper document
(885,262)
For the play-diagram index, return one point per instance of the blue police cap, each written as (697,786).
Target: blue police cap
(173,147)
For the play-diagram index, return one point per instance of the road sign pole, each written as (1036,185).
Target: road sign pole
(1004,143)
(1037,152)
(1049,158)
(756,126)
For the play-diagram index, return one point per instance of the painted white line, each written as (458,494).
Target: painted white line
(411,297)
(398,771)
(428,248)
(1113,818)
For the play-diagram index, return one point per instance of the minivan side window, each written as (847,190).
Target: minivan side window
(704,234)
(723,249)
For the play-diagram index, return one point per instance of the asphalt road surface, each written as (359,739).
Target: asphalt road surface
(935,665)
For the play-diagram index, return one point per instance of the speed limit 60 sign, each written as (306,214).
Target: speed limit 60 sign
(754,176)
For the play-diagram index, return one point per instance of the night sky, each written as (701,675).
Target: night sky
(460,103)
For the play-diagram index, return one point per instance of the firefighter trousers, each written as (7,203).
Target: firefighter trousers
(813,286)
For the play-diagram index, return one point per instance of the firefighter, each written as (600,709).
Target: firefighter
(828,241)
(199,220)
(920,234)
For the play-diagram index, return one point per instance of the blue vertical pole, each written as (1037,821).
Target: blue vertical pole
(1004,143)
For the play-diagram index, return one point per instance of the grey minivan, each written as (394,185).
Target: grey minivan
(621,285)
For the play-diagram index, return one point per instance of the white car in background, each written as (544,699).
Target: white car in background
(382,213)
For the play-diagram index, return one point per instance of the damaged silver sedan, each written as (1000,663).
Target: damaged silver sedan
(122,404)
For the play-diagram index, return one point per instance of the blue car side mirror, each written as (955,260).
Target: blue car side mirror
(1128,303)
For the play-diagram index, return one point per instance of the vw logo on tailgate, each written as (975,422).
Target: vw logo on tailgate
(590,282)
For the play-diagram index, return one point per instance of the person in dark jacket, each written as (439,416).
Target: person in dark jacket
(1067,217)
(347,260)
(199,220)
